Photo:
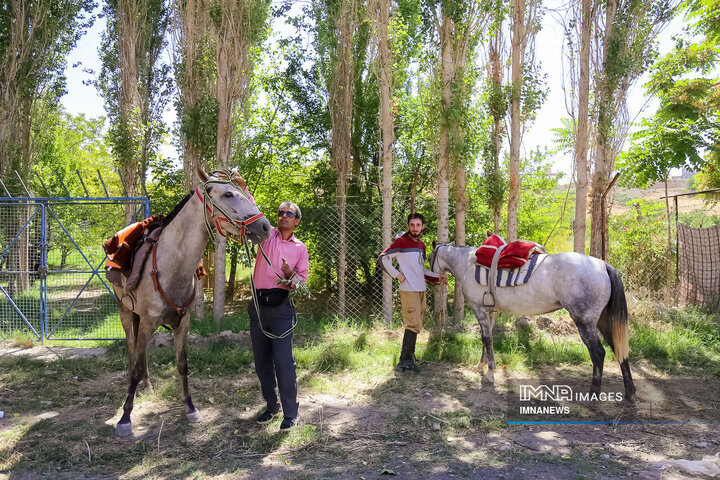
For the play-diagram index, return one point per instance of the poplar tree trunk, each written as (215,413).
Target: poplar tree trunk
(443,167)
(604,154)
(341,116)
(496,79)
(234,27)
(24,239)
(518,10)
(224,128)
(581,133)
(460,210)
(387,140)
(130,14)
(190,31)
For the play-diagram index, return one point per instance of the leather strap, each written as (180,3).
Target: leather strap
(492,276)
(180,310)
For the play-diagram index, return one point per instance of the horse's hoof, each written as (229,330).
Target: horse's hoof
(194,417)
(123,429)
(489,378)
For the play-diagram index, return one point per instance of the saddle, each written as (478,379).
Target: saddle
(512,255)
(128,249)
(504,265)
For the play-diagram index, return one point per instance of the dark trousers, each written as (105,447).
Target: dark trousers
(274,362)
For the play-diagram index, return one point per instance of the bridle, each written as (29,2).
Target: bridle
(434,255)
(217,213)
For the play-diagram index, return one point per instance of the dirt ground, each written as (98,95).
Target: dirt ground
(440,424)
(686,203)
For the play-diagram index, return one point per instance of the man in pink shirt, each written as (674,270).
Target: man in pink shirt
(271,328)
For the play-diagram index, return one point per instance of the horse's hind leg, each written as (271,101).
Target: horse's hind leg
(606,331)
(589,334)
(180,332)
(486,320)
(137,373)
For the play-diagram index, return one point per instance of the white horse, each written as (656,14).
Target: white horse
(588,288)
(166,289)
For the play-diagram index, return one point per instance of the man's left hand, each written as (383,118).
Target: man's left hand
(237,178)
(443,278)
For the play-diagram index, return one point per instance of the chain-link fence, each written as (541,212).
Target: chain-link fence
(51,263)
(52,282)
(21,307)
(320,230)
(644,245)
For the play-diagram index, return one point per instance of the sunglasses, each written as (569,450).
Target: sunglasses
(286,213)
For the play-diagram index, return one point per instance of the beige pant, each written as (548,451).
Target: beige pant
(413,310)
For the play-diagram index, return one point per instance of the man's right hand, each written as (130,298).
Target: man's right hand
(401,277)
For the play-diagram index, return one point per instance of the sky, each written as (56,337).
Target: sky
(85,99)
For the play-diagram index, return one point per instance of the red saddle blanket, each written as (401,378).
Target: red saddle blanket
(514,255)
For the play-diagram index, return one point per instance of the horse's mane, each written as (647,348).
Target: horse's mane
(170,216)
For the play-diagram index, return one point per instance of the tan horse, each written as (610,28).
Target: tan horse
(165,291)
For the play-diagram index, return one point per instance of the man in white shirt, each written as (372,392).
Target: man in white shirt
(409,252)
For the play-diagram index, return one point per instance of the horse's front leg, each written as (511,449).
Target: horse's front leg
(180,332)
(137,373)
(486,320)
(131,323)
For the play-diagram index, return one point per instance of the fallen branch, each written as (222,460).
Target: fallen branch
(160,433)
(436,418)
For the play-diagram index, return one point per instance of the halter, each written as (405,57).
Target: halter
(217,177)
(434,254)
(224,177)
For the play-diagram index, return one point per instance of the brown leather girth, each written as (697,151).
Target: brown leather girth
(158,288)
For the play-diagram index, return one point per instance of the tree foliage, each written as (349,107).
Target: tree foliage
(685,129)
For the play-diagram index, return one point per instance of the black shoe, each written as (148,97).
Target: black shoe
(407,354)
(267,416)
(288,423)
(408,365)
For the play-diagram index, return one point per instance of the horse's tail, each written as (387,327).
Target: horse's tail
(615,317)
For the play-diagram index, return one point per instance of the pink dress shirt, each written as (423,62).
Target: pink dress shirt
(292,250)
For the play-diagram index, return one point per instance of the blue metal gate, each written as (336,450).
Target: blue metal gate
(52,282)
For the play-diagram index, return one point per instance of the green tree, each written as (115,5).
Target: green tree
(685,130)
(627,49)
(135,84)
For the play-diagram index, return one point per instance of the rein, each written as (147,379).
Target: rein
(158,288)
(294,322)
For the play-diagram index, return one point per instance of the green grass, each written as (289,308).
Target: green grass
(351,363)
(677,341)
(519,348)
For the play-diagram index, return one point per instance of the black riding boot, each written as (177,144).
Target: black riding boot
(407,354)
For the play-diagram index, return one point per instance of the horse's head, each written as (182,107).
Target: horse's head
(230,209)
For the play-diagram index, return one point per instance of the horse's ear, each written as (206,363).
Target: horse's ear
(490,233)
(201,174)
